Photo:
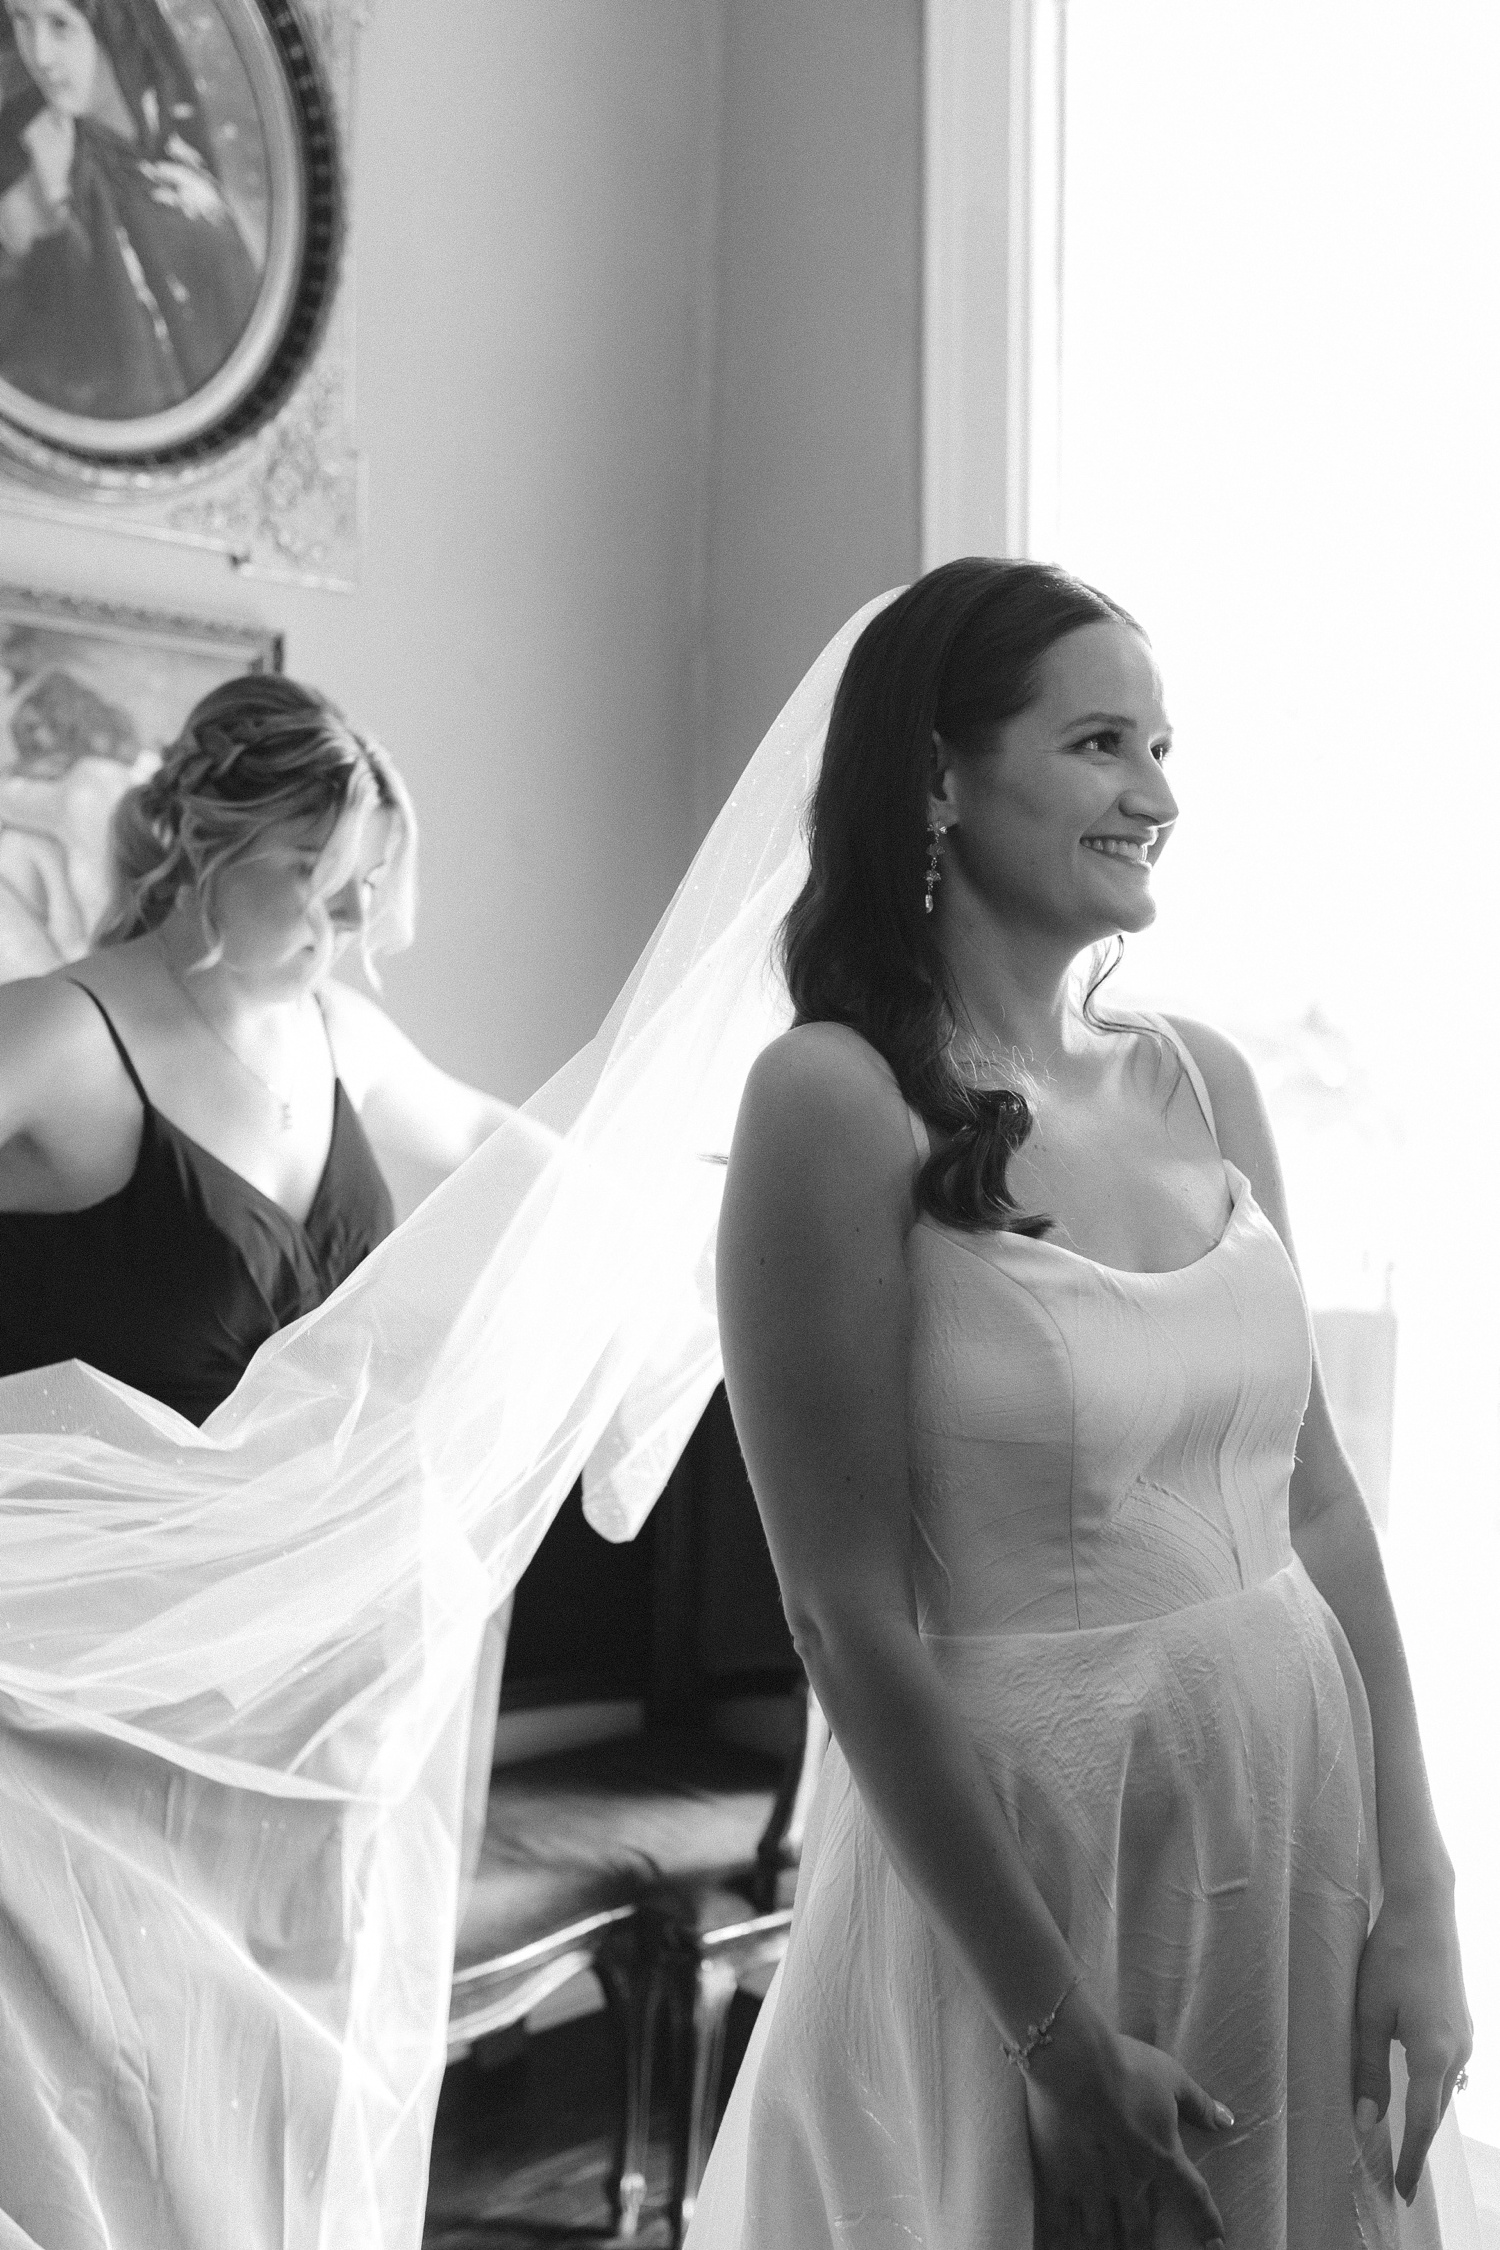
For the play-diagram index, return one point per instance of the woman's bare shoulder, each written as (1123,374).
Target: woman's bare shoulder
(822,1074)
(1225,1066)
(48,1010)
(823,1104)
(55,1054)
(1240,1115)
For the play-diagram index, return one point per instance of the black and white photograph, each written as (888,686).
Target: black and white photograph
(90,696)
(151,217)
(749,1368)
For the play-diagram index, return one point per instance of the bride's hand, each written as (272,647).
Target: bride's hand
(1105,2115)
(1411,1988)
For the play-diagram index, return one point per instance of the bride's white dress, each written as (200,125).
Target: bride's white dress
(1174,1723)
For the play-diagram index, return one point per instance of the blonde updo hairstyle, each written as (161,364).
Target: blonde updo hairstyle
(256,755)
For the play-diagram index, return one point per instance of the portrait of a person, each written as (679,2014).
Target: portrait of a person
(126,279)
(67,756)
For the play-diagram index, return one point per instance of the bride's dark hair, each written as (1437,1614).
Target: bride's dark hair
(954,655)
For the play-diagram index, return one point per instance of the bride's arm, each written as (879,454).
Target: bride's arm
(1411,1984)
(813,1308)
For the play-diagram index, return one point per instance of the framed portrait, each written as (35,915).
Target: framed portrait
(170,225)
(90,696)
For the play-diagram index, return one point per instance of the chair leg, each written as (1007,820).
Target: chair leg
(702,1993)
(627,1969)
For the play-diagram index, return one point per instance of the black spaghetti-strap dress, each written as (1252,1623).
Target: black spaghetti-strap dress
(175,1282)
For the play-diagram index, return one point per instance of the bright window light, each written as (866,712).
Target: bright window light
(1280,447)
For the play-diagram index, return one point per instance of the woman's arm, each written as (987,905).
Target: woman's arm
(66,1109)
(28,1058)
(813,1313)
(1411,1984)
(406,1101)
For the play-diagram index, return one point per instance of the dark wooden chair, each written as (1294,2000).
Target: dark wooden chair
(577,1844)
(718,1938)
(639,1858)
(725,1929)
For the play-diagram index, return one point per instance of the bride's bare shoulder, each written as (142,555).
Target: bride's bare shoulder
(825,1088)
(826,1063)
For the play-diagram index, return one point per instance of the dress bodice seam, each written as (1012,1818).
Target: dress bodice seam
(1034,1297)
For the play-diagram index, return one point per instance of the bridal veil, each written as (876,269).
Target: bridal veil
(237,1662)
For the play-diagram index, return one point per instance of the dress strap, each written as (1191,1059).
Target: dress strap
(327,1034)
(919,1133)
(120,1048)
(1194,1074)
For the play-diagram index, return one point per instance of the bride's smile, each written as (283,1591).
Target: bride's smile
(1054,817)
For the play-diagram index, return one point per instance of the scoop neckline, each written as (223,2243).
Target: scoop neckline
(1240,1194)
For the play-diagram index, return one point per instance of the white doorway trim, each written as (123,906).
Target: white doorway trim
(992,276)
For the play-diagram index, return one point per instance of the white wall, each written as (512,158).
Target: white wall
(814,494)
(636,388)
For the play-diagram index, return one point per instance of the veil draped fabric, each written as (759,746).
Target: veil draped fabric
(237,1664)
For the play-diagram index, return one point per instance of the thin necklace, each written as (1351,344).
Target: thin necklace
(283,1106)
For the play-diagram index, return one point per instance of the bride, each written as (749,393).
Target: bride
(1097,1933)
(1128,1745)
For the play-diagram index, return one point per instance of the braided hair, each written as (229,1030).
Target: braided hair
(258,754)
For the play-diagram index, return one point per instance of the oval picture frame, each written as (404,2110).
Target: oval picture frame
(204,209)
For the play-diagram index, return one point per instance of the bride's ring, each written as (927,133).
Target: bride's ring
(1461,2080)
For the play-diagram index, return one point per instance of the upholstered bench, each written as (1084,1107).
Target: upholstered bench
(575,1844)
(662,1861)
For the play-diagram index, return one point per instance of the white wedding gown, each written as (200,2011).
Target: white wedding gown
(1174,1723)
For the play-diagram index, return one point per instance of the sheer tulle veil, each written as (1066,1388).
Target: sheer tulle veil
(237,1669)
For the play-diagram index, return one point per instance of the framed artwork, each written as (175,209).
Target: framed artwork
(90,696)
(170,226)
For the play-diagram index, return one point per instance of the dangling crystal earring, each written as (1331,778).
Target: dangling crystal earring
(935,834)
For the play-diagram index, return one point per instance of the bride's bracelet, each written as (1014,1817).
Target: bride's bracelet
(1038,2034)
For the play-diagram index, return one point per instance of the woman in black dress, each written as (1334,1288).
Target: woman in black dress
(183,1163)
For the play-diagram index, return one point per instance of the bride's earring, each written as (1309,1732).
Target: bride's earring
(935,834)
